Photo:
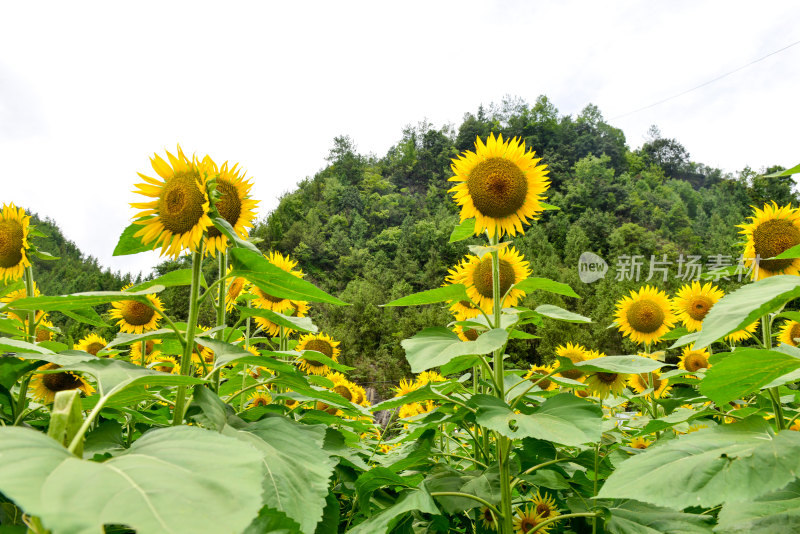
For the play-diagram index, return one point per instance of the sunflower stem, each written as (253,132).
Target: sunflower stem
(31,313)
(596,468)
(143,355)
(246,367)
(222,266)
(774,394)
(191,326)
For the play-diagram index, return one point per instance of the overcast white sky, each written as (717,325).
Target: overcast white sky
(88,91)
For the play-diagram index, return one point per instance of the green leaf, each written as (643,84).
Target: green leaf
(617,364)
(547,206)
(775,512)
(728,463)
(225,227)
(127,339)
(437,346)
(272,521)
(740,308)
(66,417)
(11,327)
(554,312)
(79,301)
(463,231)
(432,296)
(128,244)
(545,284)
(46,256)
(14,345)
(374,479)
(426,392)
(744,371)
(790,253)
(106,437)
(179,479)
(12,368)
(787,172)
(180,277)
(382,522)
(87,316)
(275,281)
(564,419)
(303,324)
(632,517)
(296,467)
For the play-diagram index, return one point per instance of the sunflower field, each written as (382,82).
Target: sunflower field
(253,425)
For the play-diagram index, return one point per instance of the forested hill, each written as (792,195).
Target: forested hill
(371,229)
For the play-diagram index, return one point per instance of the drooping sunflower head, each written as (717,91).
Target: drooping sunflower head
(166,364)
(44,332)
(91,344)
(694,360)
(488,518)
(466,333)
(295,309)
(259,398)
(501,185)
(602,384)
(233,204)
(177,217)
(405,387)
(45,386)
(743,334)
(693,301)
(526,519)
(538,374)
(151,351)
(321,343)
(135,317)
(266,301)
(790,333)
(236,287)
(642,382)
(14,229)
(645,316)
(476,274)
(771,230)
(640,442)
(576,353)
(429,377)
(545,506)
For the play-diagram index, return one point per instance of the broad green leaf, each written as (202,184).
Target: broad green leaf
(545,206)
(296,467)
(303,324)
(426,392)
(12,368)
(787,172)
(744,371)
(437,346)
(382,522)
(790,253)
(275,281)
(554,312)
(87,316)
(564,419)
(685,339)
(66,417)
(532,284)
(329,524)
(443,478)
(617,364)
(16,286)
(127,339)
(416,454)
(15,345)
(775,512)
(632,517)
(518,334)
(180,277)
(374,479)
(128,244)
(728,463)
(272,521)
(675,333)
(46,256)
(432,296)
(11,327)
(225,227)
(106,437)
(79,301)
(740,308)
(462,231)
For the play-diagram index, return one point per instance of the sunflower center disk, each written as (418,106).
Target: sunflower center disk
(498,187)
(61,381)
(137,314)
(607,378)
(542,383)
(699,307)
(471,334)
(229,206)
(573,374)
(482,279)
(320,346)
(795,333)
(771,238)
(267,296)
(94,348)
(693,362)
(645,316)
(11,237)
(181,204)
(344,392)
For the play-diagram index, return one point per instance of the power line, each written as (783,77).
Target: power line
(706,83)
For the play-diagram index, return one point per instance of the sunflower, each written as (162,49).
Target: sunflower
(14,228)
(45,386)
(150,352)
(476,274)
(790,331)
(320,343)
(500,184)
(545,506)
(296,309)
(469,334)
(743,334)
(44,332)
(429,377)
(537,373)
(203,358)
(576,353)
(694,360)
(21,294)
(91,344)
(137,317)
(692,303)
(645,315)
(266,301)
(259,398)
(488,518)
(641,382)
(602,383)
(771,230)
(178,216)
(526,519)
(463,310)
(640,442)
(166,364)
(234,204)
(237,286)
(405,387)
